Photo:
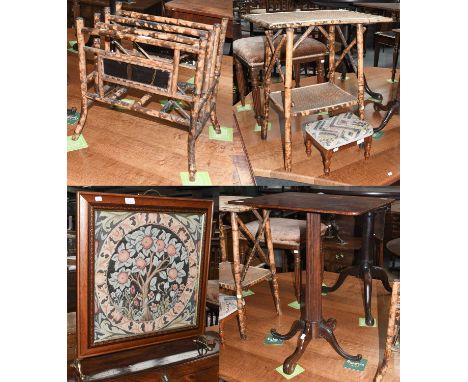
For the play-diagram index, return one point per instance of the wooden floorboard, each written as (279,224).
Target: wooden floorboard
(127,148)
(348,166)
(251,360)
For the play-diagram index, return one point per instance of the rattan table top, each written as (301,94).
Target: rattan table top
(296,19)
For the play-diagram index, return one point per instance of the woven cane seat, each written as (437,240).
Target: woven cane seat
(227,305)
(251,50)
(253,276)
(339,130)
(284,231)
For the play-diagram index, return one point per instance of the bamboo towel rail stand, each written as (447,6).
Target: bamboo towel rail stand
(121,63)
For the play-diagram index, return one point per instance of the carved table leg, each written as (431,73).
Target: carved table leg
(296,326)
(367,277)
(326,332)
(303,340)
(380,274)
(349,271)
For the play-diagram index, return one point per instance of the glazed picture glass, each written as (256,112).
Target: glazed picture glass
(146,272)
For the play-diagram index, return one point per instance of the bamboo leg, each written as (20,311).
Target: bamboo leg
(83,79)
(222,237)
(271,258)
(237,274)
(331,54)
(214,121)
(256,96)
(287,99)
(396,50)
(360,49)
(266,86)
(192,168)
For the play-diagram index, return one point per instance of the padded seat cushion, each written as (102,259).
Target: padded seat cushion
(339,130)
(252,51)
(227,305)
(283,231)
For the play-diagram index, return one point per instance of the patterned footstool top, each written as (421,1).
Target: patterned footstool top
(338,130)
(227,305)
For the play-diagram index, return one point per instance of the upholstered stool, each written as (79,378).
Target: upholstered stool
(286,234)
(236,276)
(250,52)
(338,132)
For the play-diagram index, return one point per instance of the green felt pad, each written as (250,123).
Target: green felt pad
(191,80)
(374,100)
(270,340)
(362,322)
(294,305)
(322,113)
(202,178)
(246,293)
(247,107)
(79,144)
(358,366)
(72,119)
(258,127)
(225,135)
(324,293)
(392,82)
(297,370)
(378,135)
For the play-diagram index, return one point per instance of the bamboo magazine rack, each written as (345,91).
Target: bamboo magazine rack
(132,50)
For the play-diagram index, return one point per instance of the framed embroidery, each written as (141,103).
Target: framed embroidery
(142,270)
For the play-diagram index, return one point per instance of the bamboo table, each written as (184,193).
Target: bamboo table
(312,325)
(310,99)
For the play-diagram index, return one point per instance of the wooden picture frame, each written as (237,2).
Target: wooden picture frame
(142,270)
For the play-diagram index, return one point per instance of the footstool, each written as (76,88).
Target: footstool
(338,132)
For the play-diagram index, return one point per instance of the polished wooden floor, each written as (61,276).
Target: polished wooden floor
(251,360)
(348,167)
(126,148)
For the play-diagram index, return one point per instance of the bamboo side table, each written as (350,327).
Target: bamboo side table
(312,324)
(310,99)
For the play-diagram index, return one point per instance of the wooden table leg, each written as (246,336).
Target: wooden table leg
(312,325)
(287,99)
(365,268)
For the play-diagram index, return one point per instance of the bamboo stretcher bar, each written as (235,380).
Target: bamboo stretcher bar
(158,26)
(131,68)
(166,20)
(143,39)
(150,33)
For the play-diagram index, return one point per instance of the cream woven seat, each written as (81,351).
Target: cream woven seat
(332,133)
(253,276)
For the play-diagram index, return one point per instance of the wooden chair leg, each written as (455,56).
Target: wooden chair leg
(320,71)
(271,258)
(327,157)
(191,149)
(214,121)
(237,274)
(297,73)
(297,274)
(256,96)
(396,51)
(240,80)
(308,143)
(284,261)
(367,147)
(376,53)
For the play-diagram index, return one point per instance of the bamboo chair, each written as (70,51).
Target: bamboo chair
(235,276)
(117,69)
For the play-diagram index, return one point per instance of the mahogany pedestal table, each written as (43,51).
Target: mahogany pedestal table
(308,100)
(312,325)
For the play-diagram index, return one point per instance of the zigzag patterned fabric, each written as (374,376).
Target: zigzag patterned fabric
(227,305)
(338,130)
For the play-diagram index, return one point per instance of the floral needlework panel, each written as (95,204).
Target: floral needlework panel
(146,273)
